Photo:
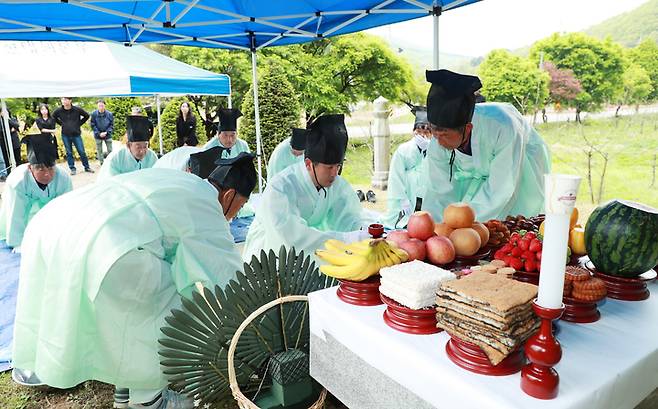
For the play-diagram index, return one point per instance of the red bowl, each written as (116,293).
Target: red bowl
(376,230)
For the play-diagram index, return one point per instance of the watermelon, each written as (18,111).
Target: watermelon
(621,238)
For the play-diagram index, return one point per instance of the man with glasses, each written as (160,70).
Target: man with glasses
(30,186)
(487,154)
(404,177)
(309,202)
(136,154)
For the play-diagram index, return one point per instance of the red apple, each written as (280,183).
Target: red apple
(420,226)
(440,250)
(415,248)
(398,236)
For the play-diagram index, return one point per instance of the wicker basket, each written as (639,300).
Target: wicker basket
(243,401)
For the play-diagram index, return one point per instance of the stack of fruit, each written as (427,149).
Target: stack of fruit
(439,243)
(523,252)
(498,233)
(358,261)
(519,222)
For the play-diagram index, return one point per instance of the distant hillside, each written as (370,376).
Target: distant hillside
(421,58)
(630,28)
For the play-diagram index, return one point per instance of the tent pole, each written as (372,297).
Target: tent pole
(230,102)
(5,124)
(257,119)
(435,59)
(157,104)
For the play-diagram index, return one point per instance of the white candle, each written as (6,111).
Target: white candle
(553,259)
(560,197)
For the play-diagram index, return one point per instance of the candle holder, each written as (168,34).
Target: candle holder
(376,230)
(362,293)
(538,378)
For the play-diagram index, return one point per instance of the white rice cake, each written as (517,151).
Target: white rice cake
(413,284)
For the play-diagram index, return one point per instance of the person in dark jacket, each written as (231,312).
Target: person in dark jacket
(186,126)
(15,142)
(46,123)
(102,123)
(70,118)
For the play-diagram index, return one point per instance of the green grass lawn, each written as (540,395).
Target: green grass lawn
(630,142)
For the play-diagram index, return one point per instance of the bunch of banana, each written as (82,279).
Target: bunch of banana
(360,260)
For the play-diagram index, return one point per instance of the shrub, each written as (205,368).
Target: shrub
(120,108)
(279,111)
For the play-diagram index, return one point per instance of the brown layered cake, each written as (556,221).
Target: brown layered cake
(488,310)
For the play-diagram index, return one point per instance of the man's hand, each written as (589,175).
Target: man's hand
(103,135)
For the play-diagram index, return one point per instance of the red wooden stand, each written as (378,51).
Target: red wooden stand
(538,378)
(363,293)
(471,357)
(626,289)
(403,319)
(580,312)
(524,276)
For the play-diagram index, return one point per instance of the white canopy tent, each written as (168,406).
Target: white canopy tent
(82,69)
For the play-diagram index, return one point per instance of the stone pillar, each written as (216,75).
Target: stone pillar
(381,136)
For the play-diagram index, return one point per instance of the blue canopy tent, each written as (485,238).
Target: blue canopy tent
(99,69)
(237,24)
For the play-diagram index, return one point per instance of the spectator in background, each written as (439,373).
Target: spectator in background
(46,123)
(186,126)
(15,141)
(70,118)
(102,123)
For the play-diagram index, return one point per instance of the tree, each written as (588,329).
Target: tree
(279,111)
(168,123)
(120,108)
(330,74)
(563,87)
(235,64)
(636,86)
(509,78)
(645,55)
(598,65)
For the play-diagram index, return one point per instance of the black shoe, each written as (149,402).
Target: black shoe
(370,196)
(360,195)
(3,178)
(89,170)
(73,172)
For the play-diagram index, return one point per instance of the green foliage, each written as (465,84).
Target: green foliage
(636,85)
(509,78)
(168,123)
(235,64)
(279,111)
(331,74)
(646,56)
(632,27)
(120,108)
(598,65)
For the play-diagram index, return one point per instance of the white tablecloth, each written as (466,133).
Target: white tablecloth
(610,364)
